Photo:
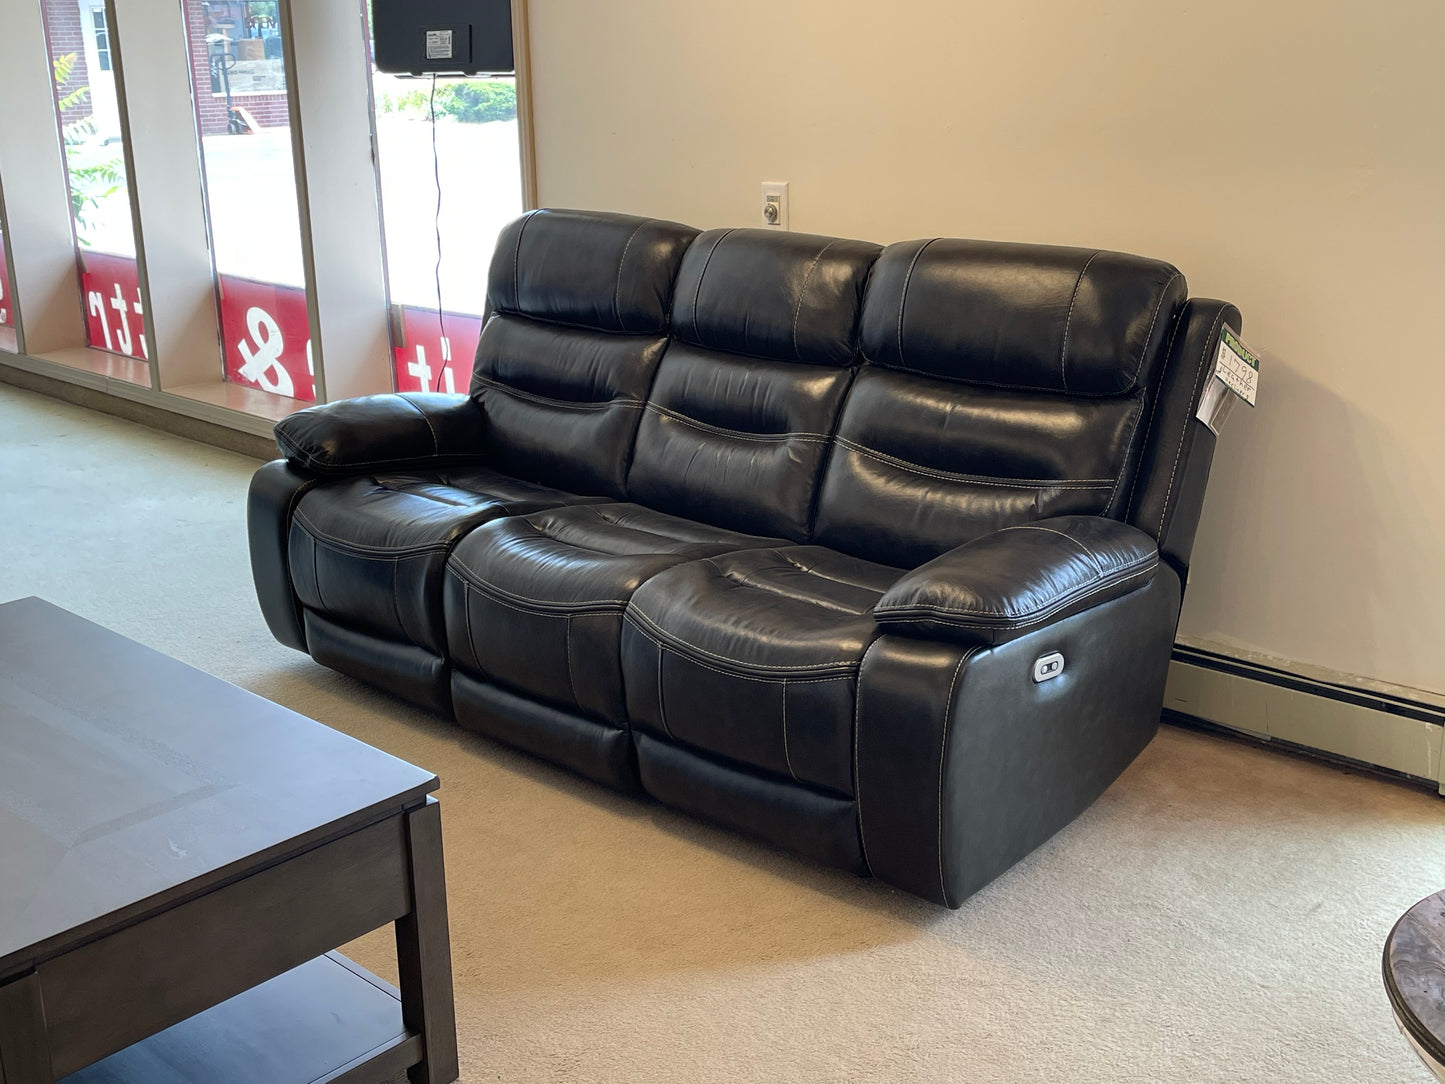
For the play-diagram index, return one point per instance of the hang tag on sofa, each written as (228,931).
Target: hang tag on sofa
(1236,376)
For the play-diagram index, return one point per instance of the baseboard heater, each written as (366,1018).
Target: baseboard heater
(1382,728)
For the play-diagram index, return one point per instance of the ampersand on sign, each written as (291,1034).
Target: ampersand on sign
(263,364)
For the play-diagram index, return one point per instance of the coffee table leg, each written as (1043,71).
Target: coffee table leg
(24,1047)
(424,953)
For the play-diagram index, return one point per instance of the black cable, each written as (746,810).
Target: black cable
(437,174)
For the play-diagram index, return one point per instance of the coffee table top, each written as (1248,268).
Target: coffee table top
(130,781)
(1414,968)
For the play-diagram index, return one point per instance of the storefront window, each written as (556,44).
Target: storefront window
(7,304)
(89,118)
(472,124)
(239,74)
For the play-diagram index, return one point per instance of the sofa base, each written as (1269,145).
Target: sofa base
(595,749)
(809,823)
(410,672)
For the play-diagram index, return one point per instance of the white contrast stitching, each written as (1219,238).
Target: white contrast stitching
(436,441)
(547,400)
(798,309)
(1154,410)
(1094,557)
(1184,435)
(361,549)
(976,479)
(616,311)
(1004,620)
(724,431)
(673,640)
(1143,350)
(1069,319)
(903,295)
(696,294)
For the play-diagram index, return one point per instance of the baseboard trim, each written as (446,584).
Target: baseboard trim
(169,413)
(1388,729)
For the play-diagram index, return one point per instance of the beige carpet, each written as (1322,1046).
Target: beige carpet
(1216,916)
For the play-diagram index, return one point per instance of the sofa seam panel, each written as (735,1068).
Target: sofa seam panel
(1069,319)
(943,763)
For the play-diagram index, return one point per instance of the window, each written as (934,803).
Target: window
(89,121)
(439,244)
(239,72)
(102,39)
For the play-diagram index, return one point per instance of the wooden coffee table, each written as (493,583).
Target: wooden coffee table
(179,857)
(1414,966)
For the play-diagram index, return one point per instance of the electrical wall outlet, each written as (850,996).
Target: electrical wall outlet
(775,204)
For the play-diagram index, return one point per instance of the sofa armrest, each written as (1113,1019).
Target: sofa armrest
(383,432)
(1018,579)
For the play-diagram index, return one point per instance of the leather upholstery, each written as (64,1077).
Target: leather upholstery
(741,414)
(1167,495)
(602,753)
(1067,320)
(921,466)
(775,528)
(405,670)
(580,307)
(811,824)
(383,432)
(772,294)
(535,602)
(270,501)
(754,656)
(1000,586)
(589,269)
(370,550)
(965,764)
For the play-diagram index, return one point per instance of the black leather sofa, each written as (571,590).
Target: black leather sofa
(873,553)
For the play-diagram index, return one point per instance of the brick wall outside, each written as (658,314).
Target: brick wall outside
(63,28)
(268,109)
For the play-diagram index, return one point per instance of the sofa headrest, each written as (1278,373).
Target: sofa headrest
(1034,317)
(772,294)
(595,269)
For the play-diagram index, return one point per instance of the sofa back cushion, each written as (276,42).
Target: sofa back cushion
(579,307)
(1004,383)
(765,332)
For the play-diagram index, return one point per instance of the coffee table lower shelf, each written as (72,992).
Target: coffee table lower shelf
(328,1021)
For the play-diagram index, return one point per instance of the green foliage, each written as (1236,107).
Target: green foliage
(470,102)
(90,183)
(63,66)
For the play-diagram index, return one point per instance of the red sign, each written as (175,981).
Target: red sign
(267,333)
(430,360)
(114,317)
(7,315)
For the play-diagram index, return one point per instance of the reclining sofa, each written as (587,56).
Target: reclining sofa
(874,553)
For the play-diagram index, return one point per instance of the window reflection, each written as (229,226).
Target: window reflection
(239,73)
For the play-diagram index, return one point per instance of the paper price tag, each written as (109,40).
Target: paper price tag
(439,44)
(1237,366)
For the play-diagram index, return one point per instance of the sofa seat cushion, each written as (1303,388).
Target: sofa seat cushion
(370,551)
(754,656)
(535,602)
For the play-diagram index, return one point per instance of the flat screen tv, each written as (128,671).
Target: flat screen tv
(443,36)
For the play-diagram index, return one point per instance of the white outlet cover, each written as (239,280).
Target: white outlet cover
(776,194)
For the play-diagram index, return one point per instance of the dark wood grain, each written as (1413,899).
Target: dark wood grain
(424,953)
(131,781)
(174,850)
(326,1021)
(1414,967)
(24,1051)
(155,973)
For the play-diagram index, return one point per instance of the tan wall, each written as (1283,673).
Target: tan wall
(1288,156)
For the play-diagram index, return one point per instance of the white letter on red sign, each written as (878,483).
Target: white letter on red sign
(263,365)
